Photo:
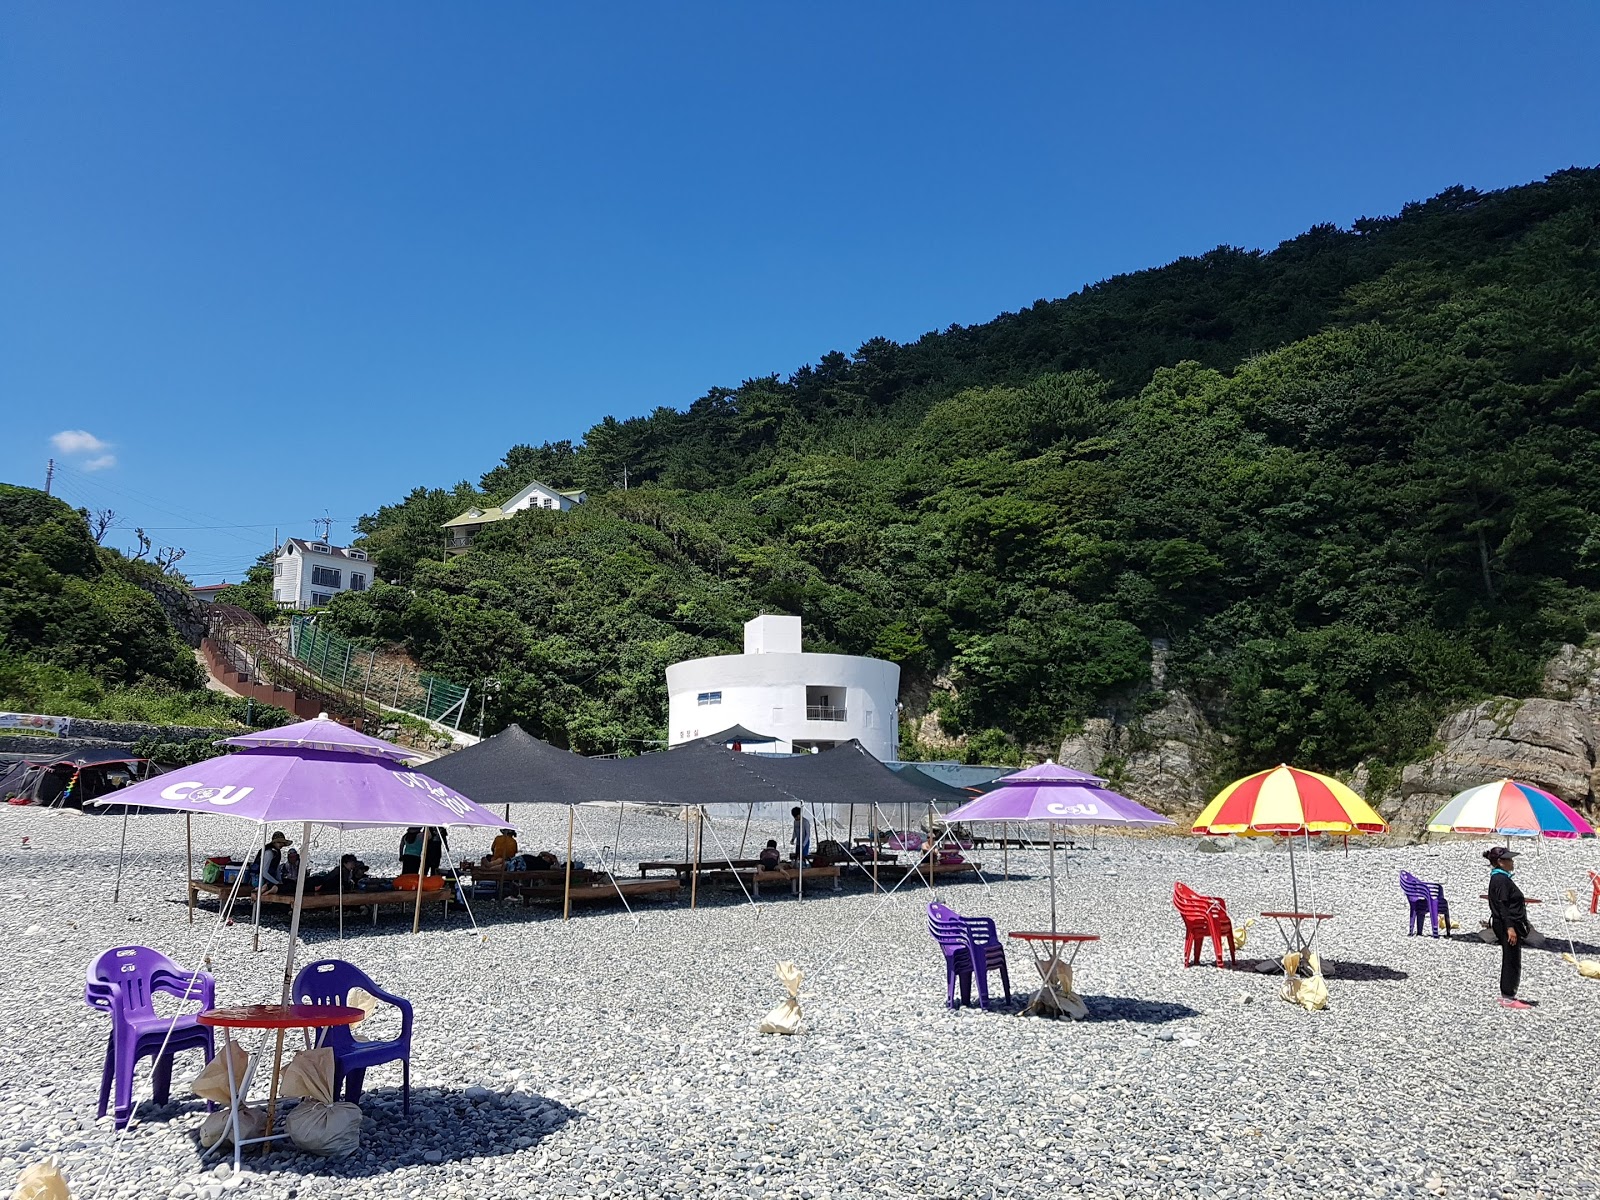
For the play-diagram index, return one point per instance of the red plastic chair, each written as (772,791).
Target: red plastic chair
(1203,917)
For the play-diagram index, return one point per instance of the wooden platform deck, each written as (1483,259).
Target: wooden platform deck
(323,901)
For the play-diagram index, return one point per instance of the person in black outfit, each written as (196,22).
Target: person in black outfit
(1508,914)
(438,842)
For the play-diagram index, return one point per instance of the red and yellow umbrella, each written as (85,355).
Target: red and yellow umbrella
(1287,800)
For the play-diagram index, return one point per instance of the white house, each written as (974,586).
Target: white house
(805,701)
(459,531)
(309,574)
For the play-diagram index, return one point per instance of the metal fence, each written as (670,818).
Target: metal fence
(347,666)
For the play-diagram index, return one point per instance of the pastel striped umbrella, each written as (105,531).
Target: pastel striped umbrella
(1509,808)
(1287,800)
(1290,801)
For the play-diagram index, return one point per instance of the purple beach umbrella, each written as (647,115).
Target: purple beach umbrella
(314,773)
(1056,796)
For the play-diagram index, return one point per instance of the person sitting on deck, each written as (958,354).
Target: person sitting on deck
(266,868)
(770,857)
(346,878)
(505,846)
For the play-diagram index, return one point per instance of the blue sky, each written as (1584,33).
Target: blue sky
(276,260)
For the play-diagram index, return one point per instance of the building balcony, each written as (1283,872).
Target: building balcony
(826,712)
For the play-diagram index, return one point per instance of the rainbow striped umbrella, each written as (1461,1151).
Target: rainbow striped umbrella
(1509,808)
(1290,801)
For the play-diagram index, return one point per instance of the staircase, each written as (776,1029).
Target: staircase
(250,660)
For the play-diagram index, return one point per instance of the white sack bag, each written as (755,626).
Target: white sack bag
(212,1082)
(785,1019)
(317,1125)
(218,1126)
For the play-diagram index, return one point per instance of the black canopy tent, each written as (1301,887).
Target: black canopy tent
(733,735)
(514,767)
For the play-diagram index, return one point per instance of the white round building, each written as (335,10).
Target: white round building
(802,701)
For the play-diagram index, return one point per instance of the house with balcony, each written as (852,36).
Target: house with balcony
(803,701)
(459,531)
(309,574)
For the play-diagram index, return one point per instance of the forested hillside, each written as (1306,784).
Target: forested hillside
(1353,480)
(78,636)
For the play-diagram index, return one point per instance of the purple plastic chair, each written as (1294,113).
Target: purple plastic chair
(123,983)
(965,942)
(328,981)
(1426,900)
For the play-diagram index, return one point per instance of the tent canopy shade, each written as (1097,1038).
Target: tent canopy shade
(514,767)
(733,733)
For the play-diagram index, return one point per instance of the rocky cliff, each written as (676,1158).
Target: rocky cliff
(1550,740)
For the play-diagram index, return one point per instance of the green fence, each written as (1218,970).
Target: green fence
(347,666)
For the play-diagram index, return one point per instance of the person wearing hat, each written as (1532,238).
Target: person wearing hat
(268,864)
(1508,914)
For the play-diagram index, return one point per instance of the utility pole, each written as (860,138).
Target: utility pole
(49,475)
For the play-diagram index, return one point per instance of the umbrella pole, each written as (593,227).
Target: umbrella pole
(1052,879)
(422,866)
(340,877)
(1294,883)
(566,890)
(294,915)
(699,838)
(188,852)
(116,892)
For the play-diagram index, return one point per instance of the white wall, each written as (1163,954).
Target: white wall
(537,495)
(295,585)
(766,692)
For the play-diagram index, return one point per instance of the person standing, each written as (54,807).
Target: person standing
(800,839)
(411,851)
(1508,914)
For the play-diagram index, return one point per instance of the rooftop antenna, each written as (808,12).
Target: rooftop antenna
(323,525)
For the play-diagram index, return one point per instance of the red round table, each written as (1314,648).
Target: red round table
(1048,949)
(278,1018)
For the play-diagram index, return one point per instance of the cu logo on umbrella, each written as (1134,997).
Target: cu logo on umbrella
(1072,810)
(196,793)
(442,795)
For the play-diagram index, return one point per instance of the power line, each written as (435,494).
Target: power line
(83,482)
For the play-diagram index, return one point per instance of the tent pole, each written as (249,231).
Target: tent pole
(422,868)
(188,852)
(699,838)
(872,822)
(566,890)
(1005,848)
(261,861)
(748,813)
(116,892)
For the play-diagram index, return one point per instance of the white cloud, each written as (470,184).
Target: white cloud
(100,463)
(79,441)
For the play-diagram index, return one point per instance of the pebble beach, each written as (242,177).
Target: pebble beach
(617,1054)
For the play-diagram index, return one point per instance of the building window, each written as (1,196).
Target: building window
(324,577)
(705,698)
(358,581)
(320,598)
(277,570)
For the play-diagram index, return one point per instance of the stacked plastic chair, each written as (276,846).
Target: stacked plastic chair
(123,983)
(971,945)
(1426,901)
(1203,917)
(330,981)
